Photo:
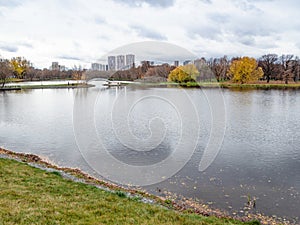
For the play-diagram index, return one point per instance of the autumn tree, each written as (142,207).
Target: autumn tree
(192,71)
(183,74)
(20,66)
(245,70)
(5,71)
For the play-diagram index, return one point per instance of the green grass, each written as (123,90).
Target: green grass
(263,86)
(32,196)
(47,86)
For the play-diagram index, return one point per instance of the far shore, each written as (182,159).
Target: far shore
(47,86)
(225,85)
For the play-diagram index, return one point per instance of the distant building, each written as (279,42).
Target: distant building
(199,62)
(120,62)
(111,62)
(176,63)
(95,66)
(62,68)
(98,67)
(54,66)
(186,62)
(130,60)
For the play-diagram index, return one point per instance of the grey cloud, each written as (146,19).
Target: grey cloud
(219,18)
(8,47)
(246,5)
(10,3)
(69,57)
(147,33)
(247,40)
(76,44)
(99,20)
(154,3)
(25,44)
(266,45)
(211,32)
(206,1)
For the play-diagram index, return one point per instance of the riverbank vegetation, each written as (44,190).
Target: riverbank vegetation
(269,69)
(246,72)
(19,69)
(30,195)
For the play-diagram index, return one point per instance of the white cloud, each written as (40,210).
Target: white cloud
(79,31)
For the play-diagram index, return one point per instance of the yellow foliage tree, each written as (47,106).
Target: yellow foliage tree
(183,74)
(245,70)
(20,66)
(191,70)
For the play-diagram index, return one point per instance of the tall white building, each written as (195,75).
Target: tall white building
(98,67)
(120,62)
(129,60)
(111,62)
(55,66)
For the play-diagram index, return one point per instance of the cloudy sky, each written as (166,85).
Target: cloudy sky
(83,31)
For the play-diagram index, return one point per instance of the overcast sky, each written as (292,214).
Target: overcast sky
(82,31)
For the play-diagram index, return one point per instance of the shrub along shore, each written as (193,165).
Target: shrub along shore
(33,191)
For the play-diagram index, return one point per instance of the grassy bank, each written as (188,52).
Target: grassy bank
(47,86)
(263,86)
(30,195)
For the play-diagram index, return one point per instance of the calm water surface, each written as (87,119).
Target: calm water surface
(259,157)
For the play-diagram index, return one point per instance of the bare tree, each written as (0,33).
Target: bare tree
(267,63)
(286,65)
(31,73)
(159,71)
(219,67)
(5,71)
(296,69)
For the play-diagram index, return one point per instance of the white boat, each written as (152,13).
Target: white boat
(112,83)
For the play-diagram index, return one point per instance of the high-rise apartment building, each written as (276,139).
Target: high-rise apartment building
(111,62)
(120,62)
(129,60)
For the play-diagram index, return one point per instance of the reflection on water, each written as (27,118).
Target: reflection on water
(260,155)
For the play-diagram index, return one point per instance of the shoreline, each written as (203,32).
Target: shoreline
(46,86)
(223,85)
(187,205)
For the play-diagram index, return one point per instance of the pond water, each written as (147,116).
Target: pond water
(258,140)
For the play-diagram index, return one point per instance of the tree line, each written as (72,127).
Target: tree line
(21,68)
(285,68)
(269,67)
